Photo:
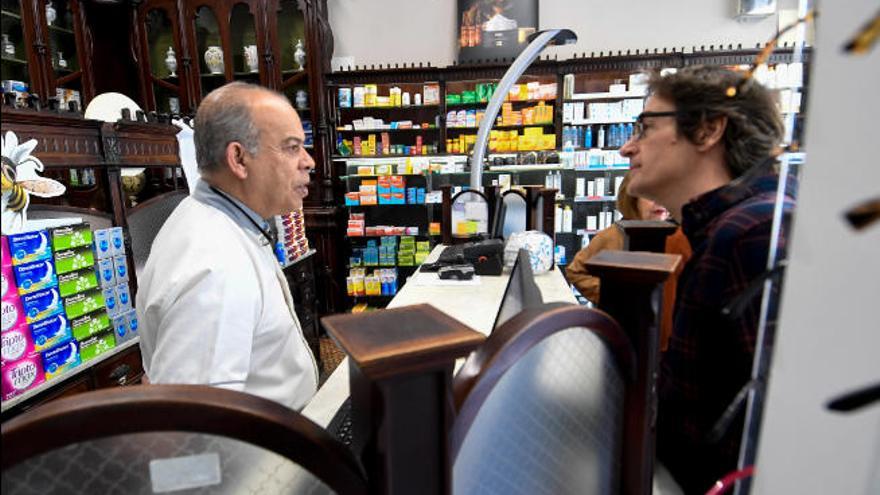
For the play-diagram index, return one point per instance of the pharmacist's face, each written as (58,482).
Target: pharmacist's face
(660,158)
(281,165)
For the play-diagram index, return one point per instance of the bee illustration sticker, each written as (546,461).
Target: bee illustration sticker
(20,180)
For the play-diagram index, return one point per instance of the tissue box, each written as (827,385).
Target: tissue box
(15,344)
(120,265)
(95,346)
(132,319)
(41,304)
(110,301)
(83,303)
(102,244)
(60,359)
(50,332)
(70,237)
(76,282)
(73,259)
(91,324)
(31,277)
(120,328)
(21,376)
(29,247)
(106,272)
(13,314)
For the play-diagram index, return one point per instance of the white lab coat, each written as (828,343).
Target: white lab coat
(214,308)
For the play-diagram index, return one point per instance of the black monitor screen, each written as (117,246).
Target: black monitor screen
(522,292)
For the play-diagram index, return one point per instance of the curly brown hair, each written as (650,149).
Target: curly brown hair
(754,129)
(627,205)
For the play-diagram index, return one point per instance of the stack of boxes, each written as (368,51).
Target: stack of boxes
(292,237)
(382,282)
(58,311)
(385,190)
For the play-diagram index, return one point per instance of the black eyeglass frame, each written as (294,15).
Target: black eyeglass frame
(638,125)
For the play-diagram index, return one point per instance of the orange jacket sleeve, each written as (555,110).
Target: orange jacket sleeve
(576,271)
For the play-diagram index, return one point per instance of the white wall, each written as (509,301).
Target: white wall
(829,334)
(398,31)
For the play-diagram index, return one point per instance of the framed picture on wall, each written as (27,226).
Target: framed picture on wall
(491,29)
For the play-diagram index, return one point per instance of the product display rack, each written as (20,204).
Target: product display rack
(593,77)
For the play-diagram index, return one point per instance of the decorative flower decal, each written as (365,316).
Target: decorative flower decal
(20,179)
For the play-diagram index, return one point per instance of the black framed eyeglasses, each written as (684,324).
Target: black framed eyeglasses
(639,124)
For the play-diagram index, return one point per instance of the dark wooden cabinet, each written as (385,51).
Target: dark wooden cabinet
(301,279)
(46,48)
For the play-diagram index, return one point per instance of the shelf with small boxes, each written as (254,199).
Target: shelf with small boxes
(66,301)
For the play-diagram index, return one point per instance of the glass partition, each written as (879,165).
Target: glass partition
(14,52)
(164,62)
(245,50)
(209,48)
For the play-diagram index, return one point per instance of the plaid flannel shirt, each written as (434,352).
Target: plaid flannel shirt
(709,357)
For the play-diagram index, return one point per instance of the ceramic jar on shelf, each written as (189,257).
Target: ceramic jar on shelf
(301,100)
(299,54)
(51,15)
(171,62)
(250,58)
(214,59)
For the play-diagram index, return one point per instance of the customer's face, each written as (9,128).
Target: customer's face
(660,159)
(280,169)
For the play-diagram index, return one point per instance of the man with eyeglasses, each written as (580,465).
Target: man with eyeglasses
(213,304)
(704,148)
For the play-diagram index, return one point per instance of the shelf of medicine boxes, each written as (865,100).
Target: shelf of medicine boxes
(49,384)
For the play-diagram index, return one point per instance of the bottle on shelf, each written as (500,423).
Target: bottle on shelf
(600,138)
(588,137)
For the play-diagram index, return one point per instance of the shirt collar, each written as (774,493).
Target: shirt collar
(699,213)
(204,194)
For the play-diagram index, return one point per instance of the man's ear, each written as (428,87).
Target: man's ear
(711,131)
(236,158)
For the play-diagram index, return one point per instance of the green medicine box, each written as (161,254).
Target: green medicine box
(89,325)
(83,303)
(72,260)
(96,345)
(70,237)
(76,282)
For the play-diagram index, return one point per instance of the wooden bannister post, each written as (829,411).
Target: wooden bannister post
(401,393)
(630,292)
(646,235)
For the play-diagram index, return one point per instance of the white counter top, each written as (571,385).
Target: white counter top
(473,305)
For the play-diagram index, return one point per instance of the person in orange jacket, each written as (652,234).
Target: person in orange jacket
(632,208)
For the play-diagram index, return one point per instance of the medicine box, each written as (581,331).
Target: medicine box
(13,314)
(41,304)
(50,332)
(123,298)
(96,345)
(31,277)
(120,265)
(117,241)
(28,247)
(90,324)
(84,303)
(60,359)
(76,282)
(72,236)
(102,244)
(74,259)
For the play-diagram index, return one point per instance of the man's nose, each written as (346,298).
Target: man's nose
(629,147)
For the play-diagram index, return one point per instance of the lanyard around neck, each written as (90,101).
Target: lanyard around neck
(269,236)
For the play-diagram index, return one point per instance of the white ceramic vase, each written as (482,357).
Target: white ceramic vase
(299,54)
(171,62)
(250,58)
(302,100)
(214,59)
(51,15)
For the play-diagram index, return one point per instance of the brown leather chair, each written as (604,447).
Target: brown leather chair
(135,439)
(543,406)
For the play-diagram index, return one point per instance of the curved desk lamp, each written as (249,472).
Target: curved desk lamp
(537,42)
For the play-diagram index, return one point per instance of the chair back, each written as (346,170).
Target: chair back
(155,438)
(542,406)
(144,222)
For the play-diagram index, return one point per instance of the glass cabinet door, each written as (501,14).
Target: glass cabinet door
(292,48)
(66,71)
(246,53)
(15,73)
(164,62)
(209,47)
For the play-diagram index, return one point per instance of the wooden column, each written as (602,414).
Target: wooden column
(630,292)
(402,407)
